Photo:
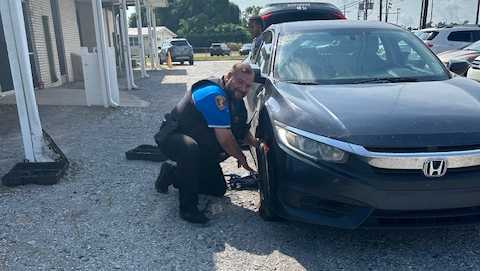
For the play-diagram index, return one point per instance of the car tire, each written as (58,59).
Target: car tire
(190,62)
(181,62)
(266,170)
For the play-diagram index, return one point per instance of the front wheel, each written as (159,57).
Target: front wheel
(266,170)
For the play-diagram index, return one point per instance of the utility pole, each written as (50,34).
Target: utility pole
(358,13)
(398,13)
(478,10)
(387,7)
(424,14)
(431,11)
(380,11)
(365,10)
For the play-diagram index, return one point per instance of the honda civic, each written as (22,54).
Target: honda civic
(365,127)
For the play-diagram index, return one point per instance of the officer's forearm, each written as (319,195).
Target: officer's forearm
(228,143)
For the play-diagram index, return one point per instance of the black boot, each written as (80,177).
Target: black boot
(165,178)
(193,215)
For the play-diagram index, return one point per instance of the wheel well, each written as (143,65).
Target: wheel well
(264,129)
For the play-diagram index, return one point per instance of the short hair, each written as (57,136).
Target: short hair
(243,68)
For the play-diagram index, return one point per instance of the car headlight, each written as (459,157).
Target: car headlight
(311,148)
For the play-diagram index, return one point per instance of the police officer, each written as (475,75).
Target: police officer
(210,119)
(255,27)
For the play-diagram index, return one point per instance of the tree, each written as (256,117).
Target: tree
(249,12)
(204,21)
(132,21)
(217,12)
(441,24)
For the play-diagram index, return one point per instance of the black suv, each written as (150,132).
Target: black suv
(219,49)
(300,11)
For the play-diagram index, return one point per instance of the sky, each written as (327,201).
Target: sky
(409,10)
(409,15)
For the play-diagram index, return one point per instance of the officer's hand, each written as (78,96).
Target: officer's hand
(243,163)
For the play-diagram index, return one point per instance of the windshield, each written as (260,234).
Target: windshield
(179,43)
(353,55)
(426,35)
(247,46)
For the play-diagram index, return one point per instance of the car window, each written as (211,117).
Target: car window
(133,41)
(410,55)
(462,36)
(351,55)
(179,43)
(476,35)
(427,35)
(381,51)
(265,53)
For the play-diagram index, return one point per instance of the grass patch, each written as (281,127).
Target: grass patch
(207,57)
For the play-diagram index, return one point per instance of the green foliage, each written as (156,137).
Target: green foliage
(204,21)
(192,15)
(132,20)
(249,12)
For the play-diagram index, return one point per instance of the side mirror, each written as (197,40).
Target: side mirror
(459,67)
(259,79)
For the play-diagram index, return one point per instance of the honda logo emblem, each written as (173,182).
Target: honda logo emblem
(433,168)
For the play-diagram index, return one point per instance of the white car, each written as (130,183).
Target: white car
(448,38)
(474,71)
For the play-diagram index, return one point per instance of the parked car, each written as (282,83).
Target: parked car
(467,54)
(246,48)
(301,11)
(474,70)
(362,132)
(219,49)
(449,38)
(180,49)
(276,13)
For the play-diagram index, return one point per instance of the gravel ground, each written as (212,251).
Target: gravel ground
(105,214)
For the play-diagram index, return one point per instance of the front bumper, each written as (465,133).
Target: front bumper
(356,195)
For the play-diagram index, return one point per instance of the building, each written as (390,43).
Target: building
(40,46)
(56,29)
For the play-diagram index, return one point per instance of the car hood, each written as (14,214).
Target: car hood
(458,54)
(437,113)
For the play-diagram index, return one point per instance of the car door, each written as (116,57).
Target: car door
(256,96)
(251,97)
